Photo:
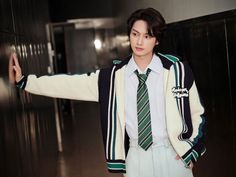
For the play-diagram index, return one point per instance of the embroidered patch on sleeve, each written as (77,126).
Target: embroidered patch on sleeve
(179,92)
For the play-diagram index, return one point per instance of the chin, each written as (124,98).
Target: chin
(139,53)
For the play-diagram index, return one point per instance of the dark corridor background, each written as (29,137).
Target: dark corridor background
(28,139)
(209,44)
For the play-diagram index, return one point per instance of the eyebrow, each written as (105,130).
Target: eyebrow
(137,30)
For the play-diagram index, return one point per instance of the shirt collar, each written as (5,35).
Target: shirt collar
(155,65)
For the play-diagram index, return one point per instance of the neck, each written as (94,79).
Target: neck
(143,61)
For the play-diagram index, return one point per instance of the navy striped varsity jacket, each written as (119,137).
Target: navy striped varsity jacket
(184,112)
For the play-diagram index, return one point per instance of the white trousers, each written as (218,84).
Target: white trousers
(158,161)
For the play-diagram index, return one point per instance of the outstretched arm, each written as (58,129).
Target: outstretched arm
(78,87)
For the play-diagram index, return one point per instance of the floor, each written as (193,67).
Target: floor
(83,153)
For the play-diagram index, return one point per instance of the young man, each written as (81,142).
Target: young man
(151,113)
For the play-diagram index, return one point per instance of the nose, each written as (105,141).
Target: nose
(140,40)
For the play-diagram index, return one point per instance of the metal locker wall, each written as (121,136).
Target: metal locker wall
(28,144)
(208,43)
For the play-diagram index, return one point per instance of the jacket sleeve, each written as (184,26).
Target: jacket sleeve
(79,87)
(197,120)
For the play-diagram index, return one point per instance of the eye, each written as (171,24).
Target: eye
(134,34)
(147,36)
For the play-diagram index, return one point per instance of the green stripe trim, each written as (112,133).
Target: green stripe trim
(172,58)
(116,62)
(195,154)
(189,142)
(116,166)
(200,131)
(22,84)
(203,151)
(188,159)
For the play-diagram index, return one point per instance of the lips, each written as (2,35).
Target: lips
(139,49)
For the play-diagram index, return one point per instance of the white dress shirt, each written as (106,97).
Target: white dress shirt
(155,85)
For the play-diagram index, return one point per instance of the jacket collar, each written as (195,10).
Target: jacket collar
(164,59)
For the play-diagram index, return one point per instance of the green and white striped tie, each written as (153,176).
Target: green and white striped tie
(143,111)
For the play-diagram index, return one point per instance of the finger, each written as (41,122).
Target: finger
(11,60)
(15,69)
(191,165)
(16,62)
(17,74)
(177,157)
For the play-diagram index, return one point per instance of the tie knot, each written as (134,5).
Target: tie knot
(142,77)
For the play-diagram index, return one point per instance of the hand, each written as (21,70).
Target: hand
(14,68)
(191,163)
(177,157)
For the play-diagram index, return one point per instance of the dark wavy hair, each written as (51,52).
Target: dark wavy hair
(153,18)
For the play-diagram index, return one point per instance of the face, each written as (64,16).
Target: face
(142,43)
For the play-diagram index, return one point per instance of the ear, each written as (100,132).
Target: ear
(157,42)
